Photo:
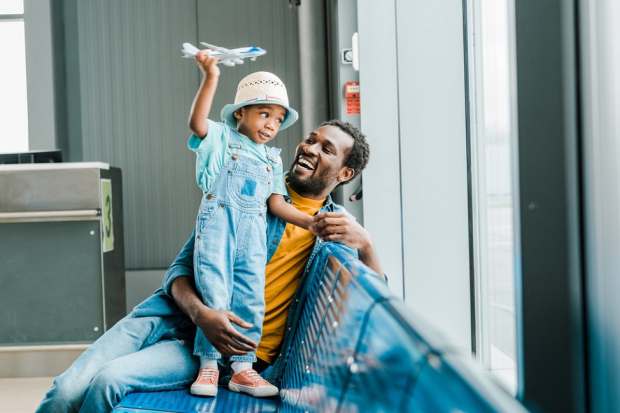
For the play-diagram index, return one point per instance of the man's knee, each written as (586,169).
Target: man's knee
(109,381)
(140,332)
(106,389)
(64,396)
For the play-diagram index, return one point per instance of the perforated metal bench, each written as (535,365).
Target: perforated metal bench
(356,348)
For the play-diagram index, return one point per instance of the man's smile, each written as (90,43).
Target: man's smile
(305,163)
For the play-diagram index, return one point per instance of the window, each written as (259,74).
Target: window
(13,97)
(492,140)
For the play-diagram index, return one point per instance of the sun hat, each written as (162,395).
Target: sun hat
(257,88)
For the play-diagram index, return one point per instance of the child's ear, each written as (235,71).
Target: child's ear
(238,113)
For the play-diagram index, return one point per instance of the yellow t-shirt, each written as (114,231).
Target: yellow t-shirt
(282,276)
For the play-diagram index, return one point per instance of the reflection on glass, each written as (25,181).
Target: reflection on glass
(492,184)
(13,99)
(12,7)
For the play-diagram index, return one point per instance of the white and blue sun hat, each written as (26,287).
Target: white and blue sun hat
(257,88)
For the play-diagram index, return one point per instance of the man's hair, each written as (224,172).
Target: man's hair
(358,156)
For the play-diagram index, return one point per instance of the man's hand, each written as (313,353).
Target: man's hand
(218,329)
(340,227)
(215,324)
(207,63)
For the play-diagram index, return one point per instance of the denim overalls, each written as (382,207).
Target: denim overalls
(230,250)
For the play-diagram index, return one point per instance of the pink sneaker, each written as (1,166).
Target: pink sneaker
(248,381)
(206,383)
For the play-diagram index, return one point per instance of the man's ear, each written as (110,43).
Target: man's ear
(238,114)
(345,174)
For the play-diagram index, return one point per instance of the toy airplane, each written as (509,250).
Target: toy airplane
(227,57)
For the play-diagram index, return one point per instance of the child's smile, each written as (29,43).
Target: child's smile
(264,135)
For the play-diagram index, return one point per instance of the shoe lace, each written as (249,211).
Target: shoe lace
(254,376)
(207,374)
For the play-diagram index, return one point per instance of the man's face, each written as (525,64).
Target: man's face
(318,165)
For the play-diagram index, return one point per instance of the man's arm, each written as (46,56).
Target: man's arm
(183,265)
(340,227)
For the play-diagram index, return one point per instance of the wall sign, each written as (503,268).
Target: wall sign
(107,221)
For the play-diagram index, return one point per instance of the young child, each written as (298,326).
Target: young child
(239,176)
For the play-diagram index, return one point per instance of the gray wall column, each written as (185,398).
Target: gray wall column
(313,65)
(551,356)
(342,24)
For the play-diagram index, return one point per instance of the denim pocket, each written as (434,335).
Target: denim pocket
(248,189)
(208,211)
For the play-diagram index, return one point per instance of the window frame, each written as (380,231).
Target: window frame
(19,17)
(479,216)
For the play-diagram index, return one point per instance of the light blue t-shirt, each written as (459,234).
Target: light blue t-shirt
(213,152)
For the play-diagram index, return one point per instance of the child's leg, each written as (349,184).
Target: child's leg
(213,264)
(248,292)
(208,362)
(239,366)
(213,272)
(248,302)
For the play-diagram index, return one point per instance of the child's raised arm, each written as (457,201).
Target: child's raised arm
(287,212)
(204,97)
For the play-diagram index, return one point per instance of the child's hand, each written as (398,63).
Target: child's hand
(207,63)
(314,229)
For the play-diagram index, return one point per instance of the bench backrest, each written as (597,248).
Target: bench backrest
(357,348)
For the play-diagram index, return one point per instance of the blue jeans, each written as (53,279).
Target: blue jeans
(230,251)
(137,354)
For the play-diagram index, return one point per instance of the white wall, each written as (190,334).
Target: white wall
(413,110)
(380,123)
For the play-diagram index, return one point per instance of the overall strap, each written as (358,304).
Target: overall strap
(272,155)
(234,142)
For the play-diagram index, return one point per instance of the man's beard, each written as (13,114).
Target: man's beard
(315,185)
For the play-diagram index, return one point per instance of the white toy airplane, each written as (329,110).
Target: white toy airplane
(227,57)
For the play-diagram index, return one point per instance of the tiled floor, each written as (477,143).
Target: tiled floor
(23,395)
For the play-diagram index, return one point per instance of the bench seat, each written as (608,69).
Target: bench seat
(355,348)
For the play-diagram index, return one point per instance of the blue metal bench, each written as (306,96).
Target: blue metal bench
(356,348)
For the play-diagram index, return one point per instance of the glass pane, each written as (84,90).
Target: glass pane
(13,99)
(492,141)
(12,7)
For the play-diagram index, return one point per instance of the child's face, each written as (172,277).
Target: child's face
(260,122)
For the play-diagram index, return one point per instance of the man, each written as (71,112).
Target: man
(151,349)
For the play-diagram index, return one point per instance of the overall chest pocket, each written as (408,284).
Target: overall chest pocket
(248,187)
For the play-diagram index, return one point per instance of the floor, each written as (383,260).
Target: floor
(23,395)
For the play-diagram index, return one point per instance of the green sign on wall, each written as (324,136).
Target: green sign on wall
(106,212)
